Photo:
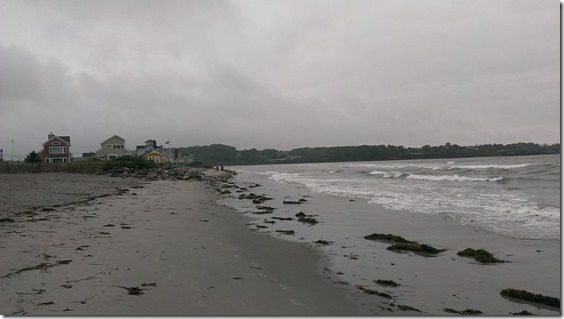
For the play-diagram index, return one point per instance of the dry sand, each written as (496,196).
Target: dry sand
(185,254)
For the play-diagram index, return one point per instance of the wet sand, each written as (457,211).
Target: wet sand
(164,249)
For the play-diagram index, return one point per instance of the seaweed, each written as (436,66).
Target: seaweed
(374,292)
(481,255)
(417,248)
(41,266)
(389,238)
(463,312)
(407,308)
(531,297)
(386,283)
(287,232)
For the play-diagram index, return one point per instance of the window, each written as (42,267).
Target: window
(57,149)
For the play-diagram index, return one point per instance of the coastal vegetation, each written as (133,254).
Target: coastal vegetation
(228,155)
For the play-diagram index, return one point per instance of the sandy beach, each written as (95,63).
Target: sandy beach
(160,248)
(99,245)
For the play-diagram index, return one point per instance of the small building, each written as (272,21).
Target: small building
(112,148)
(156,156)
(56,149)
(146,148)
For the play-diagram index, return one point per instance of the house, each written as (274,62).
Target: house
(156,157)
(146,148)
(56,149)
(111,148)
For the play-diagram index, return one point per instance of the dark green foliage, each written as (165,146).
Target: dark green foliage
(531,297)
(388,238)
(32,158)
(481,255)
(218,154)
(129,162)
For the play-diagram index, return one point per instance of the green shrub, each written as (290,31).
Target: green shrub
(129,162)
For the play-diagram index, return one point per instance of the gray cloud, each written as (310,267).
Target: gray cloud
(279,73)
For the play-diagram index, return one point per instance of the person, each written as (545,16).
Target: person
(222,168)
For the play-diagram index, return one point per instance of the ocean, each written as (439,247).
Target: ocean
(509,206)
(516,196)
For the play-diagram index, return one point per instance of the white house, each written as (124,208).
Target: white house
(113,147)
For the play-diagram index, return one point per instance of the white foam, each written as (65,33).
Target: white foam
(490,166)
(454,178)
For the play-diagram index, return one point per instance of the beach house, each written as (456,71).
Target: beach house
(112,148)
(56,149)
(156,157)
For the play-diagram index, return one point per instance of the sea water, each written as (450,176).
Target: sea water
(517,196)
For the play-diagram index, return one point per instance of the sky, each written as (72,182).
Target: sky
(279,74)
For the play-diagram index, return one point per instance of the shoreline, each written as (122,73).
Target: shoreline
(430,284)
(184,253)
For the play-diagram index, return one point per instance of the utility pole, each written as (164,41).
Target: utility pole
(1,155)
(12,150)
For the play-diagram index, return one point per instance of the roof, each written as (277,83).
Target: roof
(121,138)
(64,139)
(154,151)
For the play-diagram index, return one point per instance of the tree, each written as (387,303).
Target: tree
(32,158)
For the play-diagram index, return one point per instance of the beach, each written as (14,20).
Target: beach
(344,201)
(159,248)
(100,245)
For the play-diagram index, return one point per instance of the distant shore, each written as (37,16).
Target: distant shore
(96,245)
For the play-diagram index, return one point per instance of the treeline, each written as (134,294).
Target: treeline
(219,154)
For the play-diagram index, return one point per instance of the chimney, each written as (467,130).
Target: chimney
(50,136)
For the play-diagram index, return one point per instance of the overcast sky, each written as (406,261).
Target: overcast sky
(282,74)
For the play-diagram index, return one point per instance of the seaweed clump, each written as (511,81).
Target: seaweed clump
(416,248)
(531,297)
(388,238)
(463,312)
(481,255)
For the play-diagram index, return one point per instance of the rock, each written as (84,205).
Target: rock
(301,214)
(302,200)
(7,220)
(47,209)
(480,255)
(522,313)
(417,248)
(386,283)
(531,297)
(388,238)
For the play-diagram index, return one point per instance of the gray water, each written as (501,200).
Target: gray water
(517,196)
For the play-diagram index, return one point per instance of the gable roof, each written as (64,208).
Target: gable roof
(64,139)
(121,138)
